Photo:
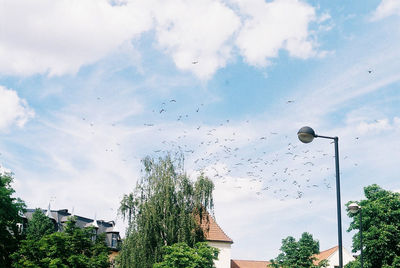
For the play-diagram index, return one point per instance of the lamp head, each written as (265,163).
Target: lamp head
(306,134)
(354,207)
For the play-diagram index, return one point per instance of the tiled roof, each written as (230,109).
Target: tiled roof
(249,264)
(212,231)
(323,255)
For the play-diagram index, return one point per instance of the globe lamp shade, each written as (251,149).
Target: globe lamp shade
(353,207)
(306,134)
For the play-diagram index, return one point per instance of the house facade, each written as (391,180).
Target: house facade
(217,238)
(332,256)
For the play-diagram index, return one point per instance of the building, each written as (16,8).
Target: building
(332,255)
(60,217)
(217,238)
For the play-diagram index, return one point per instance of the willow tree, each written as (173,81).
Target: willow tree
(165,208)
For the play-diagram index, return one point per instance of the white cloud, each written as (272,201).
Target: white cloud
(386,8)
(58,37)
(271,26)
(196,33)
(13,109)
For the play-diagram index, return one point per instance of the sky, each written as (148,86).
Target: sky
(89,88)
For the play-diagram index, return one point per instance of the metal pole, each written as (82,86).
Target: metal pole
(361,243)
(339,213)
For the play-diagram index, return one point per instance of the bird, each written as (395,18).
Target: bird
(162,110)
(290,101)
(195,62)
(172,100)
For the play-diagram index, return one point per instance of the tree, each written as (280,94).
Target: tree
(165,208)
(300,254)
(10,210)
(180,255)
(72,248)
(39,226)
(381,228)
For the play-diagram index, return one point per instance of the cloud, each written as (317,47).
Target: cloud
(58,37)
(13,109)
(272,26)
(196,33)
(386,8)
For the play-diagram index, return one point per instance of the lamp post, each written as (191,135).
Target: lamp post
(307,135)
(354,208)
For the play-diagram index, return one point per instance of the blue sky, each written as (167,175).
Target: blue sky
(88,88)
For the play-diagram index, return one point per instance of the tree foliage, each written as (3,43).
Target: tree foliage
(180,255)
(39,226)
(72,248)
(300,254)
(10,210)
(164,209)
(381,228)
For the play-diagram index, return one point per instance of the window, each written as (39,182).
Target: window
(94,234)
(114,240)
(20,227)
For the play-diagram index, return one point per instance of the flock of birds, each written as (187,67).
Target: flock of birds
(272,163)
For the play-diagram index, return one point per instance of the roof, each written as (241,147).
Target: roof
(323,255)
(249,264)
(212,230)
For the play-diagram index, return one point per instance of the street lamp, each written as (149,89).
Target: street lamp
(307,135)
(354,208)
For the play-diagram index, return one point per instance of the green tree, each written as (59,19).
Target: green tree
(300,254)
(381,228)
(39,226)
(72,248)
(11,209)
(165,208)
(180,255)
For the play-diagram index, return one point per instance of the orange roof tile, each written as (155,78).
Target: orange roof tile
(249,264)
(212,231)
(323,255)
